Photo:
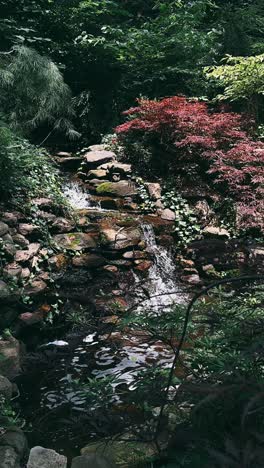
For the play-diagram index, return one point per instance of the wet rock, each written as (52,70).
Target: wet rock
(120,189)
(210,271)
(12,271)
(120,239)
(190,271)
(27,229)
(6,388)
(154,190)
(143,265)
(40,457)
(8,458)
(134,255)
(75,241)
(20,240)
(97,174)
(88,261)
(192,279)
(109,203)
(111,269)
(16,439)
(185,263)
(216,232)
(3,229)
(10,357)
(35,287)
(96,158)
(166,240)
(62,225)
(168,215)
(91,461)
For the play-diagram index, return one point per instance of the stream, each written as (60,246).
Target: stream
(52,404)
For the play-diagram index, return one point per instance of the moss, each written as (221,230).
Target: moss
(105,187)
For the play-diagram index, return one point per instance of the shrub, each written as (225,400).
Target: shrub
(215,145)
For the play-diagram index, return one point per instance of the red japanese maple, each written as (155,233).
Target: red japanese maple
(217,139)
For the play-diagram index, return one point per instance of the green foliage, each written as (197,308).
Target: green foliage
(33,93)
(8,417)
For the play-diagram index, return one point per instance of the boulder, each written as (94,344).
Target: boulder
(88,261)
(58,262)
(101,147)
(64,154)
(69,163)
(193,279)
(116,167)
(216,232)
(143,265)
(97,174)
(35,287)
(203,211)
(27,229)
(108,203)
(25,273)
(40,457)
(154,190)
(43,203)
(10,357)
(6,388)
(12,271)
(168,215)
(120,239)
(9,458)
(23,256)
(75,241)
(3,229)
(5,292)
(20,240)
(91,461)
(62,225)
(16,439)
(96,158)
(134,255)
(9,218)
(10,249)
(120,189)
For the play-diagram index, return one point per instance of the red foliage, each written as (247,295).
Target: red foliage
(234,159)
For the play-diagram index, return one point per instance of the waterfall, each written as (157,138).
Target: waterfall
(77,196)
(162,276)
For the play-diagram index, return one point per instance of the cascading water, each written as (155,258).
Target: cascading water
(77,196)
(161,283)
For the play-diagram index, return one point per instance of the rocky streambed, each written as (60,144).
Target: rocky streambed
(67,279)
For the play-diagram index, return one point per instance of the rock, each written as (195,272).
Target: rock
(88,261)
(64,154)
(3,229)
(166,240)
(134,255)
(91,461)
(8,314)
(97,174)
(62,225)
(37,286)
(192,279)
(69,163)
(109,203)
(40,457)
(29,318)
(8,458)
(120,189)
(111,268)
(4,290)
(120,239)
(203,211)
(16,439)
(10,249)
(143,265)
(27,229)
(185,263)
(115,167)
(10,357)
(210,271)
(9,218)
(168,215)
(154,190)
(43,203)
(256,258)
(23,256)
(190,271)
(96,158)
(6,388)
(75,241)
(12,271)
(25,274)
(49,217)
(123,454)
(216,232)
(58,262)
(20,240)
(97,147)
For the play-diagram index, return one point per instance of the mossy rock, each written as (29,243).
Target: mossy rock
(123,454)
